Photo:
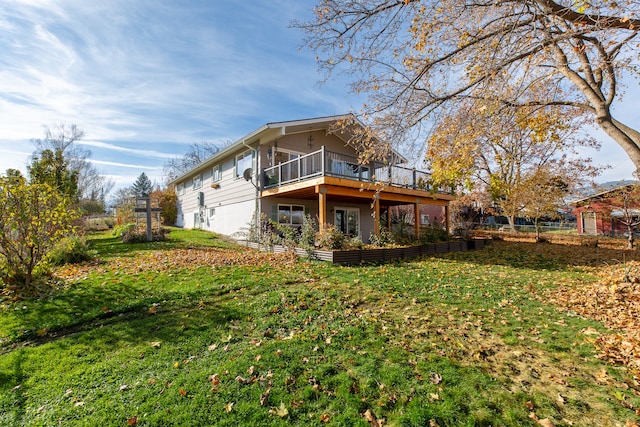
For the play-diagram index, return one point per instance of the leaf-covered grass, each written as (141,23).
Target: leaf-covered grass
(196,331)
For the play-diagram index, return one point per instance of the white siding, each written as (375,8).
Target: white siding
(232,198)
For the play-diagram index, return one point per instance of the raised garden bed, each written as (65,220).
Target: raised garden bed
(357,256)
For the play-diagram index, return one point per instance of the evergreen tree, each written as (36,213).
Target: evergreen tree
(143,186)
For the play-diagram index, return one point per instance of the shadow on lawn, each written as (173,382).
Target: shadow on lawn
(137,324)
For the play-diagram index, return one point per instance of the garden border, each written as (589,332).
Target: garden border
(358,256)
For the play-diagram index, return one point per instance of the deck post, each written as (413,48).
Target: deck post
(416,221)
(322,208)
(376,219)
(446,218)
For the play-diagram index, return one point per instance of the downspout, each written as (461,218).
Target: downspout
(256,185)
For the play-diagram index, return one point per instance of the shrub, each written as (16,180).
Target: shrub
(140,236)
(71,250)
(384,239)
(33,218)
(307,238)
(433,234)
(330,238)
(354,243)
(123,229)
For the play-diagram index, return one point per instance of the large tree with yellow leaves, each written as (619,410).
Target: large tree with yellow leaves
(414,58)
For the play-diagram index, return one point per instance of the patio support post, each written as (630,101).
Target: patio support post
(416,221)
(322,208)
(389,219)
(446,218)
(376,219)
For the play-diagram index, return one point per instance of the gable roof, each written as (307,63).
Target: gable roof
(603,192)
(268,133)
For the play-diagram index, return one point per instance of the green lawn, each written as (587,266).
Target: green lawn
(169,334)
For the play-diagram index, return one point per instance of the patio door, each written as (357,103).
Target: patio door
(347,220)
(289,169)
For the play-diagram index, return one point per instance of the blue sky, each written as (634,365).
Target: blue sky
(146,78)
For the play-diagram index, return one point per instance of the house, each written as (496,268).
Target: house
(285,170)
(601,213)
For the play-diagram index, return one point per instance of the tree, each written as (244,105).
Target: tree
(167,201)
(92,185)
(52,169)
(503,152)
(543,196)
(196,154)
(415,58)
(142,187)
(33,218)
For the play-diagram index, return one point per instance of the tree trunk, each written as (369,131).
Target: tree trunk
(624,136)
(512,223)
(631,238)
(537,227)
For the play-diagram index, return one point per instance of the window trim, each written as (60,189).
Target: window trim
(290,206)
(199,181)
(217,168)
(242,156)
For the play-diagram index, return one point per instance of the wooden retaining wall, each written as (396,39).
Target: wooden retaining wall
(358,256)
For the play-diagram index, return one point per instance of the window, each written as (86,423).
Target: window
(180,189)
(244,161)
(197,181)
(290,214)
(347,220)
(212,212)
(424,219)
(216,173)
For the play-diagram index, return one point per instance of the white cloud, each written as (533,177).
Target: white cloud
(140,152)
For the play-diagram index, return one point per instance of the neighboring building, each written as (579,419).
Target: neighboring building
(288,169)
(596,214)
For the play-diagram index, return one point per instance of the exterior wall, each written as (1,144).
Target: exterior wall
(299,143)
(231,198)
(603,225)
(435,214)
(366,222)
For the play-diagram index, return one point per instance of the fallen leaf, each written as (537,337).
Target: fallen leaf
(325,418)
(435,378)
(156,344)
(373,421)
(264,396)
(280,411)
(123,387)
(132,421)
(228,407)
(215,379)
(529,405)
(182,392)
